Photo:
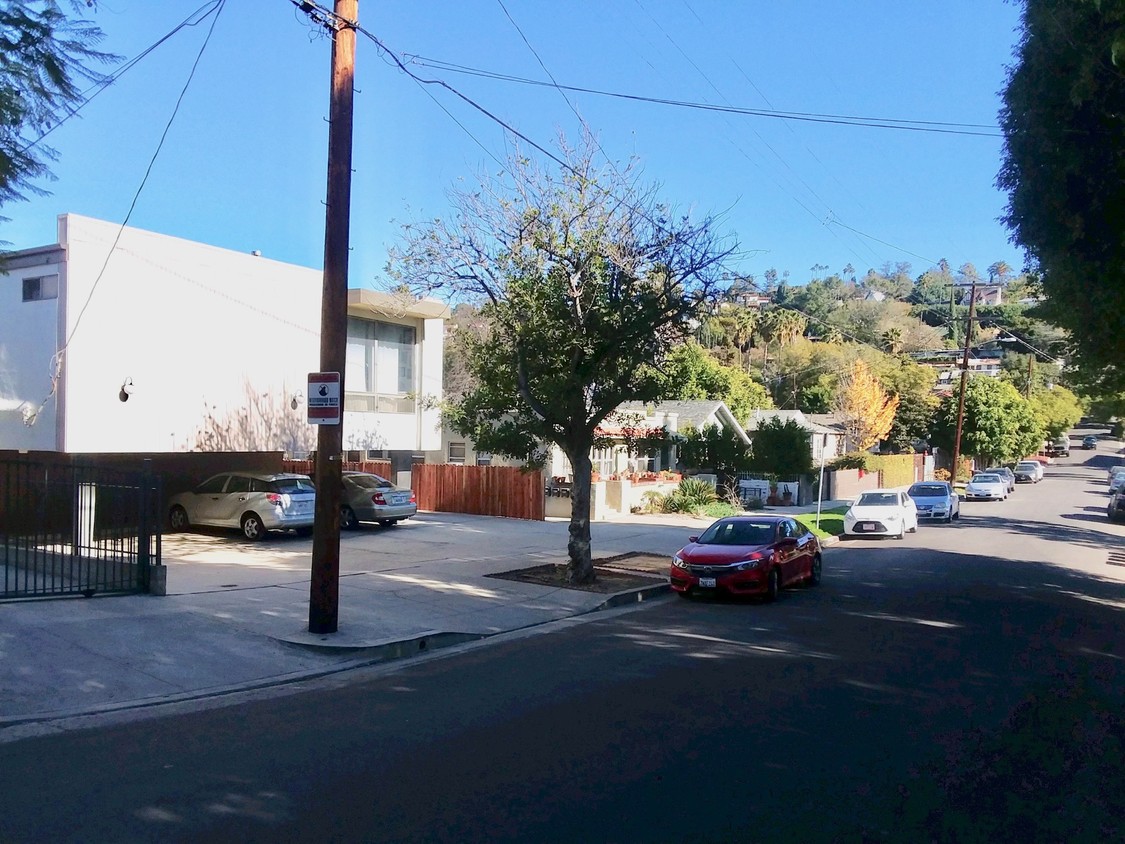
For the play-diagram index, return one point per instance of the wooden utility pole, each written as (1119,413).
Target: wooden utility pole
(964,382)
(324,592)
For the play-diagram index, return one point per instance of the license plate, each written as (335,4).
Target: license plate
(864,526)
(707,582)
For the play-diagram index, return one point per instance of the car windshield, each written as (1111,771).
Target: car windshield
(878,499)
(738,533)
(368,481)
(928,491)
(1027,466)
(986,479)
(291,485)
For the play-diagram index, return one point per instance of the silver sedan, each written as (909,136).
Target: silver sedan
(371,498)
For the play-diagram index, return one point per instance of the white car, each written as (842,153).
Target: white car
(1029,470)
(1116,480)
(1113,470)
(254,503)
(987,487)
(881,512)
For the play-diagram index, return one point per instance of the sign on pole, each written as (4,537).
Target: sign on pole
(324,398)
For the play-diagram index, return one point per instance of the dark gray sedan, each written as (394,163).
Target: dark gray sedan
(371,498)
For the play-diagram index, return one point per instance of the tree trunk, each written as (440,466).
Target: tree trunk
(580,568)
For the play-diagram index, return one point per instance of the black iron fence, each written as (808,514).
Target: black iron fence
(68,528)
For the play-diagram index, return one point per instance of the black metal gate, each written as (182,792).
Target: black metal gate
(68,528)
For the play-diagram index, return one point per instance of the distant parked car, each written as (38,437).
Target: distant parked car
(1113,470)
(936,500)
(881,512)
(253,503)
(1089,443)
(1029,471)
(986,487)
(371,498)
(747,555)
(1008,475)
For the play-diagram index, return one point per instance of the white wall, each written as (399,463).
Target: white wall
(199,330)
(28,337)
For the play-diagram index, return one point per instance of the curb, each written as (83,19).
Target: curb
(366,656)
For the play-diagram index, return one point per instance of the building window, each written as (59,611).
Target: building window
(457,453)
(41,287)
(484,458)
(379,369)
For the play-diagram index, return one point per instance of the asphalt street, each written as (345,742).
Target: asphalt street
(964,684)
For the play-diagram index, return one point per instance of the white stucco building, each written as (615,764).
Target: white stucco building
(210,348)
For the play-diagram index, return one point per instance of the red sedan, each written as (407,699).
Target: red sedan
(747,555)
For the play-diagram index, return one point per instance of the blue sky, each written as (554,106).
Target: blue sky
(244,163)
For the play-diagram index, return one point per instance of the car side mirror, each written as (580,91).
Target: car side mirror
(693,539)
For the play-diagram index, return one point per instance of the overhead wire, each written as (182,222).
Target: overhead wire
(58,357)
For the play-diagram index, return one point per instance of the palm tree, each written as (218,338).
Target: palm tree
(892,340)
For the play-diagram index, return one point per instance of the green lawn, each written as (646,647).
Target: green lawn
(831,521)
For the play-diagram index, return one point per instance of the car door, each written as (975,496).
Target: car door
(805,551)
(910,510)
(206,500)
(232,504)
(787,552)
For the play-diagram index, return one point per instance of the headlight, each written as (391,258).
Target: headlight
(749,564)
(849,516)
(679,563)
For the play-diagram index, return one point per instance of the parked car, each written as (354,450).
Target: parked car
(881,512)
(935,500)
(1113,470)
(253,503)
(1007,474)
(371,498)
(1116,508)
(1029,471)
(1116,482)
(986,487)
(747,555)
(1059,447)
(1089,443)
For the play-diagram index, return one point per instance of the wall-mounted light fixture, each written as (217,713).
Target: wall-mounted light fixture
(126,389)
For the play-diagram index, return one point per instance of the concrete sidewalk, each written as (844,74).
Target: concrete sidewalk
(236,615)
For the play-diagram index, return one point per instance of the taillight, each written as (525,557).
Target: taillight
(413,497)
(273,498)
(378,498)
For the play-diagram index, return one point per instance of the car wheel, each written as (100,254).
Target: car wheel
(816,571)
(773,585)
(252,527)
(178,518)
(948,519)
(348,520)
(686,594)
(902,532)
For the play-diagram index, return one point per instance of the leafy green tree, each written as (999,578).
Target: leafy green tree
(1064,167)
(690,372)
(999,425)
(781,448)
(1057,409)
(45,56)
(589,282)
(714,449)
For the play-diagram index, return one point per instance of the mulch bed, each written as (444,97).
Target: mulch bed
(612,574)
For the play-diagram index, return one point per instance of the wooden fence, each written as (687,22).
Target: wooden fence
(480,490)
(382,468)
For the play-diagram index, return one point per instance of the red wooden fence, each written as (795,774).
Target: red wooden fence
(481,490)
(375,467)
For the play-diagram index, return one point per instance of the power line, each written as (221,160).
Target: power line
(57,358)
(194,19)
(932,126)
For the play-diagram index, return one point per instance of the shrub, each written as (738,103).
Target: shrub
(653,502)
(690,496)
(941,474)
(853,460)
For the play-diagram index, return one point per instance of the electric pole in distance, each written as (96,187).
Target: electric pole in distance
(964,381)
(324,592)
